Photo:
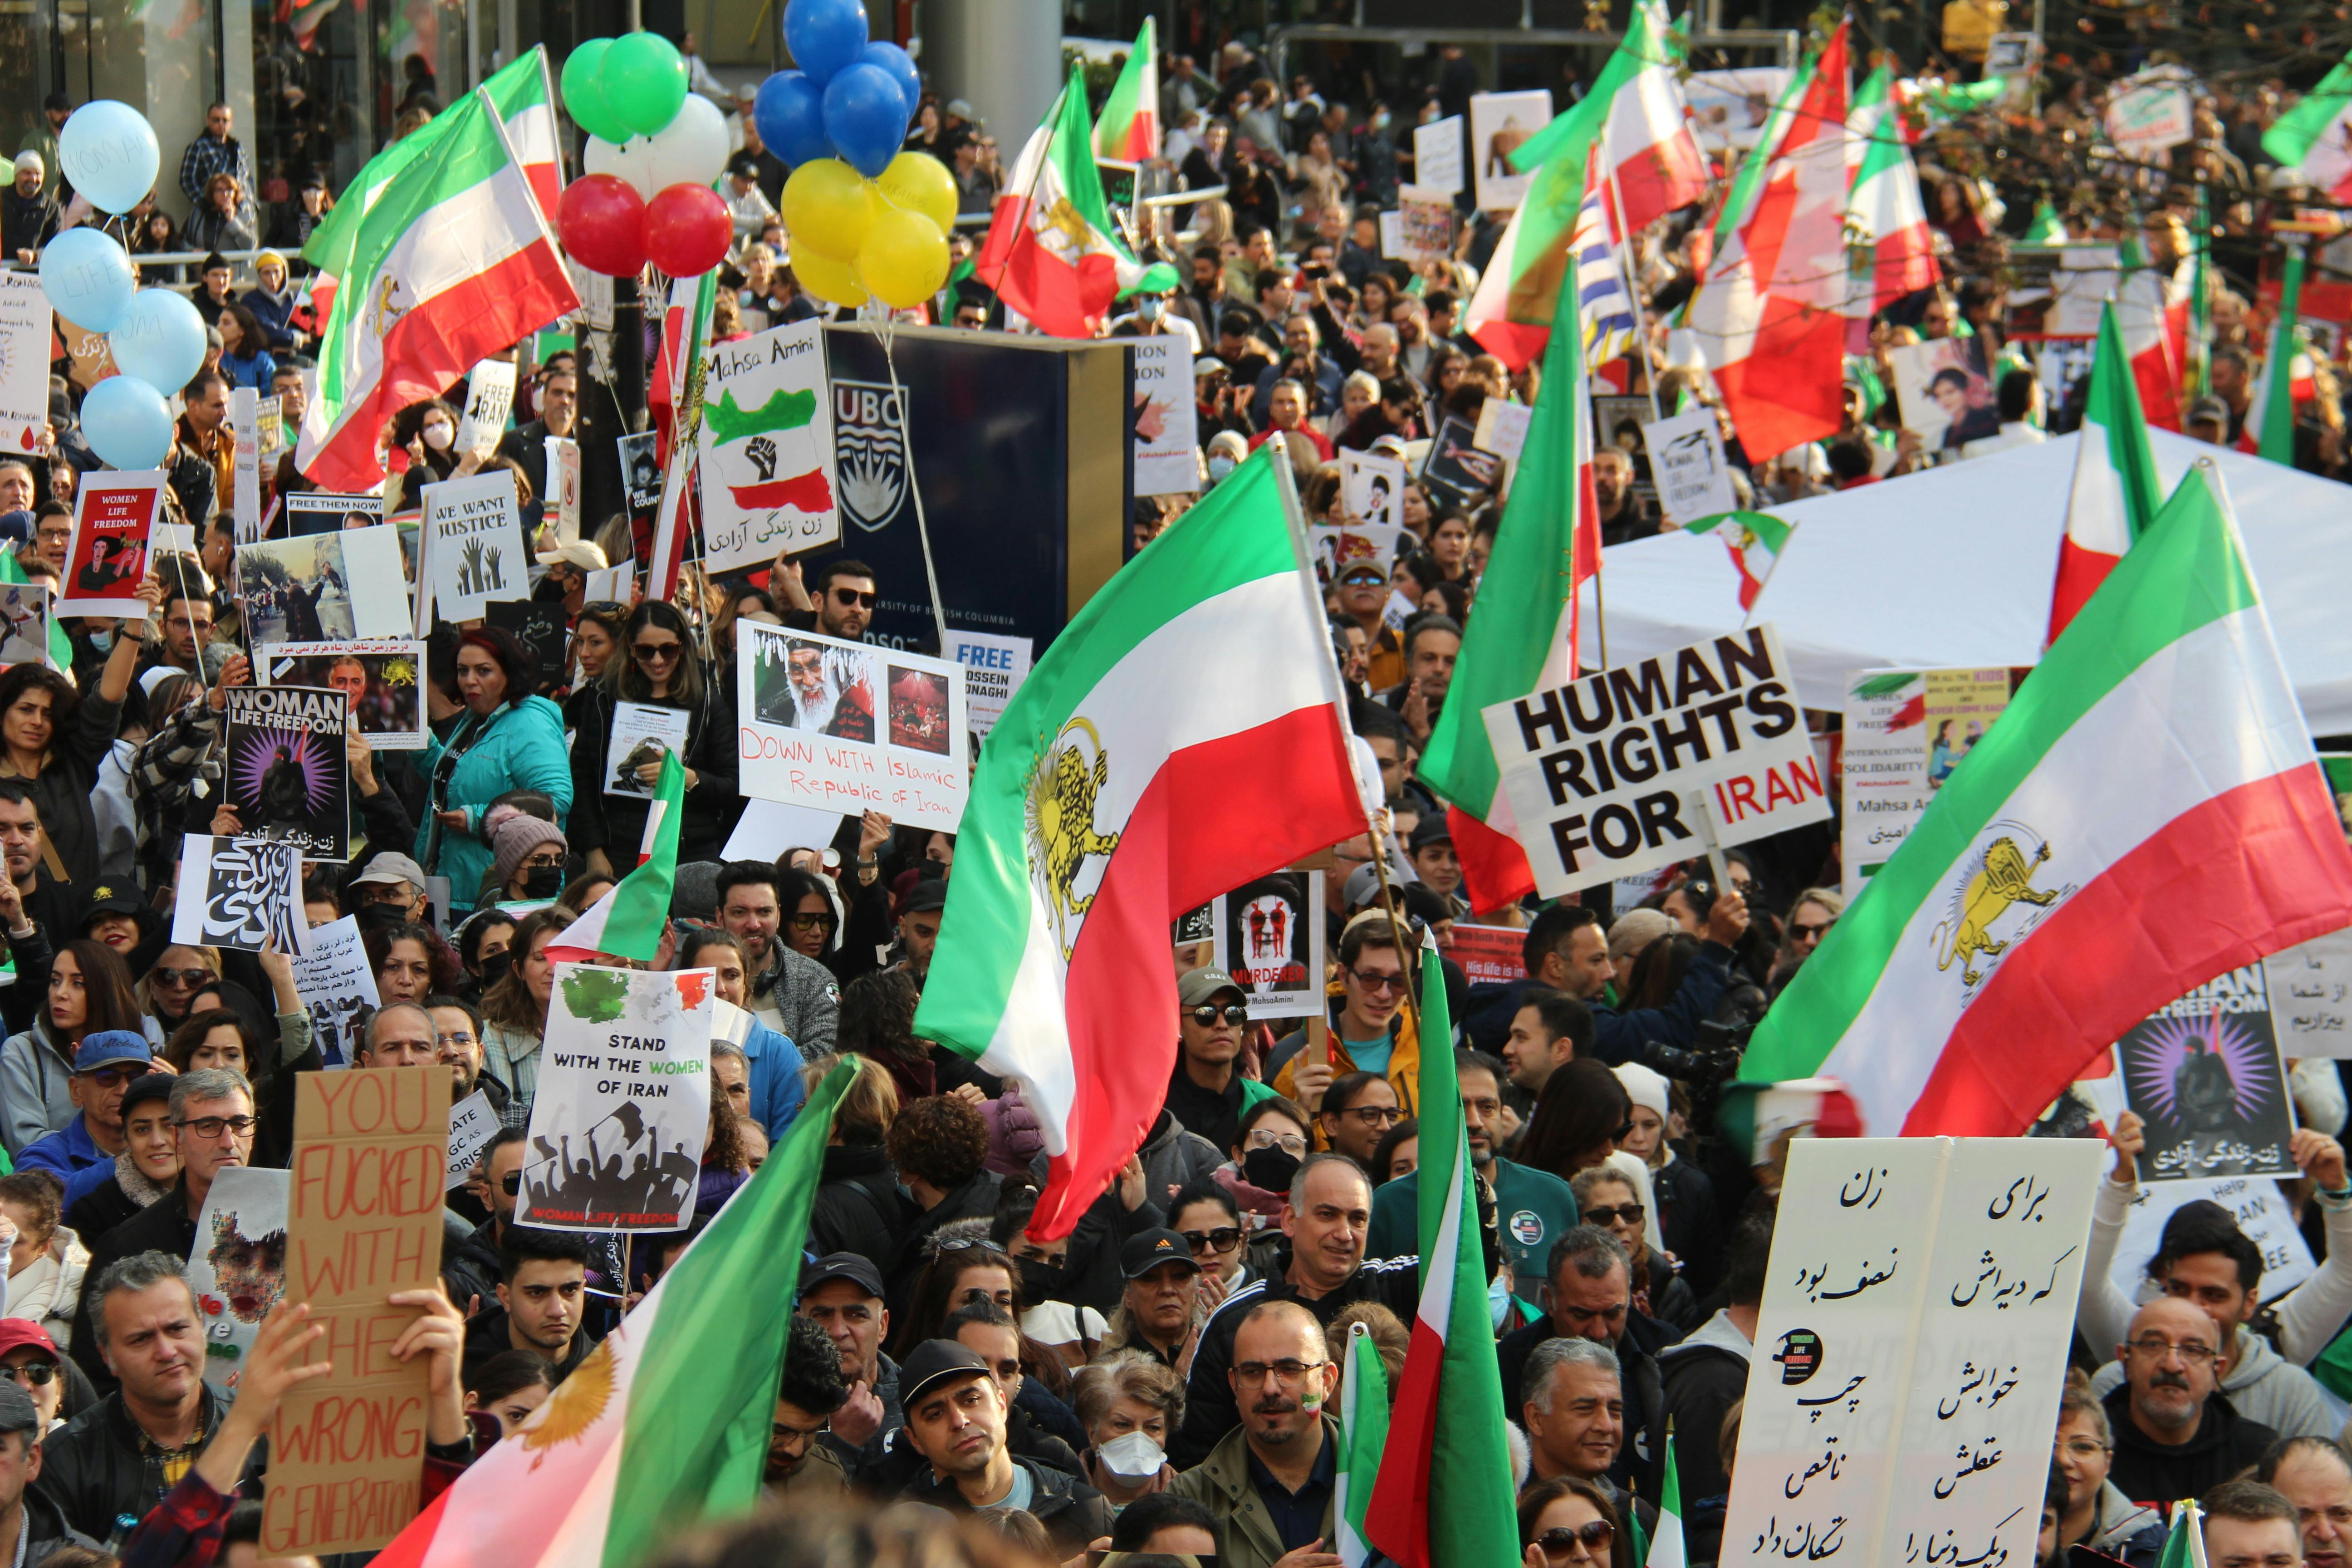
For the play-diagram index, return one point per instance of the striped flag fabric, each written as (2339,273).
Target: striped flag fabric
(1109,799)
(1128,131)
(1646,140)
(666,1422)
(2156,759)
(2152,320)
(1363,1432)
(1755,540)
(451,262)
(2315,137)
(1524,637)
(2184,1546)
(2116,494)
(2270,433)
(1448,1417)
(626,922)
(1887,222)
(1052,251)
(1605,309)
(1667,1547)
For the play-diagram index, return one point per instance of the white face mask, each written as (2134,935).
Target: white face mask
(1498,1300)
(1134,1458)
(1219,465)
(438,437)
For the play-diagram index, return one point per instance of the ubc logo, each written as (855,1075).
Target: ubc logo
(869,447)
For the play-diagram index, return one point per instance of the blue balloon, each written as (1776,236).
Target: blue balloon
(88,278)
(108,151)
(160,340)
(825,35)
(895,61)
(127,423)
(789,115)
(865,118)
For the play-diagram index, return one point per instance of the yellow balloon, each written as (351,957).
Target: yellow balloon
(920,183)
(828,206)
(835,282)
(905,260)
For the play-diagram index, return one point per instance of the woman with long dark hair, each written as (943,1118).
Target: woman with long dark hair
(657,668)
(54,738)
(89,991)
(504,738)
(514,1011)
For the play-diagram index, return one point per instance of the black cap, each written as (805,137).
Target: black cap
(854,1266)
(932,1364)
(929,894)
(144,1088)
(16,1411)
(1433,829)
(216,261)
(111,899)
(1148,1249)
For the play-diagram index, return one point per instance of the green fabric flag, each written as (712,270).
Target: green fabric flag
(1364,1431)
(2278,374)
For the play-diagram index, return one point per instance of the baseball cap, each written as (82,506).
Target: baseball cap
(961,109)
(109,1047)
(1147,1251)
(1362,887)
(936,1361)
(1197,986)
(144,1088)
(2207,410)
(107,898)
(854,1266)
(927,893)
(1433,829)
(392,867)
(576,553)
(16,1333)
(1389,446)
(1207,365)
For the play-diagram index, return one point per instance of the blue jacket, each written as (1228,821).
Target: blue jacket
(777,1092)
(64,1154)
(276,314)
(87,1179)
(520,746)
(255,370)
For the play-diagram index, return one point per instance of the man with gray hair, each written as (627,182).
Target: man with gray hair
(212,1113)
(1573,1408)
(1589,1295)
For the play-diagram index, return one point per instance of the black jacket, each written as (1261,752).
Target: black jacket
(859,1205)
(1073,1513)
(164,1227)
(486,1336)
(975,1199)
(1617,1037)
(1641,1460)
(95,1469)
(2156,1473)
(471,1268)
(888,1464)
(49,1532)
(1689,1219)
(1210,1411)
(1173,1159)
(617,823)
(1704,1376)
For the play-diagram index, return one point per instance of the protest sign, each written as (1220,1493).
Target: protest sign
(337,985)
(1884,775)
(1269,937)
(1454,468)
(1499,121)
(1728,108)
(473,1122)
(2257,1204)
(623,1107)
(1372,488)
(2311,996)
(1391,235)
(285,772)
(112,515)
(324,587)
(1686,459)
(1425,222)
(641,469)
(1334,548)
(378,681)
(489,396)
(994,667)
(1167,435)
(768,829)
(1961,705)
(1944,395)
(269,428)
(245,457)
(362,1221)
(560,487)
(237,1268)
(1911,1348)
(1195,926)
(25,609)
(2204,1074)
(2151,112)
(850,727)
(315,511)
(614,585)
(767,484)
(243,893)
(1488,955)
(23,362)
(470,547)
(1600,772)
(642,732)
(539,626)
(1437,155)
(1502,428)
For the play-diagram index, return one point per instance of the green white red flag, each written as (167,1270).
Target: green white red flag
(1887,222)
(2270,430)
(1363,1433)
(2315,137)
(1112,796)
(2156,759)
(2116,494)
(1128,131)
(1668,1549)
(626,922)
(1052,251)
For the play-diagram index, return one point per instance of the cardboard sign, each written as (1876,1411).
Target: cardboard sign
(490,398)
(245,893)
(245,453)
(1372,488)
(2204,1073)
(473,1122)
(768,480)
(1269,937)
(1488,955)
(622,1108)
(337,985)
(378,681)
(1910,1349)
(316,511)
(286,774)
(324,587)
(23,362)
(362,1221)
(1499,121)
(850,727)
(237,1266)
(1437,155)
(1167,425)
(562,482)
(994,667)
(642,732)
(539,626)
(1686,457)
(1602,772)
(471,547)
(112,516)
(768,829)
(24,623)
(2311,996)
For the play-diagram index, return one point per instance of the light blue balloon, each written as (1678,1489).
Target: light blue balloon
(108,151)
(126,422)
(160,340)
(88,278)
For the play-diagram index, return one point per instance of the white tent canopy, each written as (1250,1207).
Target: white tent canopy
(1952,568)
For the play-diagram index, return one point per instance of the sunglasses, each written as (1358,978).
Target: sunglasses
(1224,1238)
(1805,929)
(1379,982)
(1594,1536)
(181,977)
(849,596)
(656,651)
(1624,1213)
(39,1373)
(1207,1013)
(810,922)
(112,1078)
(511,1183)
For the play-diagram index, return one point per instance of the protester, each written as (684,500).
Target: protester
(507,738)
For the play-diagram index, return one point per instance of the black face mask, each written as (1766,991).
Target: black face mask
(1040,1281)
(1270,1170)
(495,967)
(385,914)
(542,882)
(551,589)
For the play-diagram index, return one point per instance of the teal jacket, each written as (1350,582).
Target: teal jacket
(1536,1209)
(520,746)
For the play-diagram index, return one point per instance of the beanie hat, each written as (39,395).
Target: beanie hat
(694,893)
(1636,929)
(1642,1086)
(516,838)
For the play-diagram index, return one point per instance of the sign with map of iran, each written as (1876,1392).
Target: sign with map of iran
(765,453)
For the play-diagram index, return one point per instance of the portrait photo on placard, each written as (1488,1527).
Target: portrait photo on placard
(822,688)
(378,681)
(1944,393)
(918,710)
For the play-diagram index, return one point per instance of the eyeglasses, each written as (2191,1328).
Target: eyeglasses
(1594,1536)
(211,1126)
(1288,1370)
(110,1077)
(845,597)
(1371,982)
(456,1038)
(969,1243)
(1375,1115)
(822,922)
(39,1373)
(1206,1015)
(2082,1448)
(542,862)
(179,977)
(2195,1352)
(1626,1214)
(1224,1238)
(650,651)
(1267,1138)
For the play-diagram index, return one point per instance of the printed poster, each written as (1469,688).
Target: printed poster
(23,362)
(994,667)
(1372,488)
(1425,222)
(489,396)
(641,469)
(1455,468)
(1499,121)
(851,726)
(1943,393)
(1503,428)
(1687,458)
(473,1122)
(1334,548)
(562,482)
(1437,155)
(1167,432)
(2205,1074)
(2254,1202)
(286,774)
(337,985)
(324,587)
(245,893)
(539,626)
(25,609)
(471,545)
(622,1108)
(2311,996)
(378,681)
(2151,112)
(766,450)
(270,425)
(245,457)
(1884,773)
(642,732)
(108,558)
(1268,936)
(237,1266)
(1961,705)
(1728,108)
(315,511)
(1487,954)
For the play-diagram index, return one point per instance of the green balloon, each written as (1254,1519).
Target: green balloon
(644,80)
(583,93)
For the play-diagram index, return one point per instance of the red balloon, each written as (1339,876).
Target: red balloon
(687,230)
(602,221)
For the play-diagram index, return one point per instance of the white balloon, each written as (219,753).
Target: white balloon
(692,149)
(632,160)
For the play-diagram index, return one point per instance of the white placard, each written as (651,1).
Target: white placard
(245,436)
(473,1122)
(1728,108)
(2151,112)
(1437,154)
(324,587)
(490,398)
(2311,996)
(23,362)
(24,623)
(766,454)
(1499,121)
(642,732)
(1167,429)
(1503,428)
(237,1270)
(245,893)
(850,727)
(595,292)
(470,548)
(1372,488)
(380,678)
(1393,235)
(338,987)
(768,827)
(1687,461)
(1882,773)
(1268,935)
(1599,771)
(2257,1204)
(994,667)
(562,483)
(614,585)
